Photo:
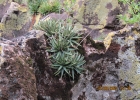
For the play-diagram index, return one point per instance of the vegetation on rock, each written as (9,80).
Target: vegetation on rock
(69,64)
(133,11)
(63,41)
(47,7)
(49,27)
(43,7)
(34,5)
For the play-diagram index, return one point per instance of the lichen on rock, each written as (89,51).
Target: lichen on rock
(117,67)
(17,79)
(90,12)
(129,67)
(111,51)
(15,19)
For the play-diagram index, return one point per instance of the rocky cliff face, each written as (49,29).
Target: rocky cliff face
(112,53)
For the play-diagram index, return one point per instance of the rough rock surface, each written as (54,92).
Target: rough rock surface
(3,8)
(118,69)
(49,87)
(14,20)
(113,75)
(25,70)
(99,12)
(98,18)
(112,68)
(17,78)
(110,75)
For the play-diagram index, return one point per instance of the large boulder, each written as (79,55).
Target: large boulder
(14,19)
(17,78)
(99,12)
(98,18)
(25,70)
(49,86)
(115,74)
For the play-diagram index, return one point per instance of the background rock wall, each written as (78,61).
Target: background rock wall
(97,13)
(14,19)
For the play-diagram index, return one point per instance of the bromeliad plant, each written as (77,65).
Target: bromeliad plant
(69,64)
(58,45)
(50,27)
(70,35)
(134,11)
(66,32)
(63,40)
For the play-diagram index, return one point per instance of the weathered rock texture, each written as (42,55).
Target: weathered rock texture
(112,70)
(26,73)
(14,20)
(48,85)
(99,12)
(113,75)
(17,78)
(110,75)
(98,18)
